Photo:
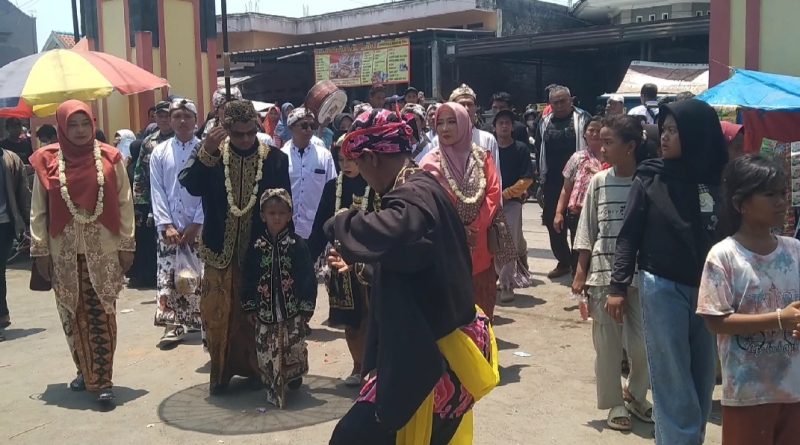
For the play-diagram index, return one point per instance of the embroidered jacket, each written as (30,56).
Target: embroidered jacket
(279,279)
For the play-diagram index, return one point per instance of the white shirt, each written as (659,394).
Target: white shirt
(265,139)
(172,204)
(641,110)
(482,139)
(319,142)
(308,174)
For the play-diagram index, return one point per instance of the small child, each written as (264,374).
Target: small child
(750,297)
(280,292)
(596,240)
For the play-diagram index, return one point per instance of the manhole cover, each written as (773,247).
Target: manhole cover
(241,410)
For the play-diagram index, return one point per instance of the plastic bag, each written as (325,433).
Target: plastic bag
(188,271)
(583,304)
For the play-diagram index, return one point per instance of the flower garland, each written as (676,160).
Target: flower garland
(364,202)
(454,185)
(101,180)
(226,160)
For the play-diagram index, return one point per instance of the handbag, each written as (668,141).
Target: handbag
(38,282)
(500,242)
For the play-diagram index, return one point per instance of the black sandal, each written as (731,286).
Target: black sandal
(295,384)
(79,384)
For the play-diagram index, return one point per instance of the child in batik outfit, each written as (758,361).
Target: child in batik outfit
(280,292)
(750,297)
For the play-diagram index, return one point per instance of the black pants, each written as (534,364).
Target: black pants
(558,241)
(360,427)
(6,240)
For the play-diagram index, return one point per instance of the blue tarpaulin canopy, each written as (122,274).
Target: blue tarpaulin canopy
(757,90)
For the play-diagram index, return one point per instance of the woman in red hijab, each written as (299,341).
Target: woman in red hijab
(82,221)
(468,173)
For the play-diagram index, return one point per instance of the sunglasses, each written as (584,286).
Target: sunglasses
(306,125)
(243,134)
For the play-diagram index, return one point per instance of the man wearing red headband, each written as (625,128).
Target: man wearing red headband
(430,353)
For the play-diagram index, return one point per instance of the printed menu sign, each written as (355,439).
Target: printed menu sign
(368,63)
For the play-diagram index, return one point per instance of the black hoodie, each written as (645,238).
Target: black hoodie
(665,223)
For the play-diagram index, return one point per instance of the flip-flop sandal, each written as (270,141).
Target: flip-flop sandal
(642,410)
(616,415)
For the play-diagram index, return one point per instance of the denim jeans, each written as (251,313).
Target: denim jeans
(681,357)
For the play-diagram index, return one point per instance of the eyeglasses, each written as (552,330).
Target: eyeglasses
(243,134)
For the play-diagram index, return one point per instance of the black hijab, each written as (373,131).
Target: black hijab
(673,185)
(703,149)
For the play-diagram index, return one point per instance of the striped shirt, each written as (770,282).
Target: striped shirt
(600,223)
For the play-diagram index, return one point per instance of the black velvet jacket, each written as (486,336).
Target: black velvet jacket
(421,289)
(279,276)
(223,233)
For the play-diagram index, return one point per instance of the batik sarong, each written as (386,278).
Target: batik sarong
(172,307)
(282,356)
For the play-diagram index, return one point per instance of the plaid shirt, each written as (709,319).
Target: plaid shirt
(580,169)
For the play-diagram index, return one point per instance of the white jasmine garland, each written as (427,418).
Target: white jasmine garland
(226,160)
(101,180)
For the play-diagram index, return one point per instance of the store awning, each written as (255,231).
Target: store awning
(671,78)
(757,90)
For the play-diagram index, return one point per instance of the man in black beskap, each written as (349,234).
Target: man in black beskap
(502,101)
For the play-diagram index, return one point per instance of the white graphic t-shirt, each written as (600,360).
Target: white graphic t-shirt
(762,367)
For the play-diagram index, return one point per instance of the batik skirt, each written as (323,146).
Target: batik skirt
(515,274)
(282,356)
(91,333)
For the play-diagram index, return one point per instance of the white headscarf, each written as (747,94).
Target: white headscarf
(126,138)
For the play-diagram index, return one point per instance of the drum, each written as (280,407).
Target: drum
(326,100)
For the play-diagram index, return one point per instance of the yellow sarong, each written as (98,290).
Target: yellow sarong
(477,375)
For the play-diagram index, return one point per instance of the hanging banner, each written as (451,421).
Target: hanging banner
(368,63)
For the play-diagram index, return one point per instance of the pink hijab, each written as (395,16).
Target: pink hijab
(457,154)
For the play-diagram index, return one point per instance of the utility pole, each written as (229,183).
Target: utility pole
(226,60)
(75,31)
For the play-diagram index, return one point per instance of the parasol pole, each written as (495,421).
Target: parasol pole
(226,60)
(75,31)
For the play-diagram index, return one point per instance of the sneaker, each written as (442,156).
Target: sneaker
(353,380)
(506,295)
(172,337)
(559,272)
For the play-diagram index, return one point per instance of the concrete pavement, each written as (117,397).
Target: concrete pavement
(546,398)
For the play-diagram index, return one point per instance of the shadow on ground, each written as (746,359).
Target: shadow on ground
(523,301)
(241,410)
(503,345)
(641,429)
(15,334)
(499,320)
(510,374)
(325,335)
(58,394)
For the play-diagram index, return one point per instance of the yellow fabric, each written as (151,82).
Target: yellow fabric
(477,375)
(464,434)
(518,189)
(77,79)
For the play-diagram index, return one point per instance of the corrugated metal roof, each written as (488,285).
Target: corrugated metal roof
(243,55)
(591,36)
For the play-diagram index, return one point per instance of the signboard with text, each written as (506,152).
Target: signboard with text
(368,63)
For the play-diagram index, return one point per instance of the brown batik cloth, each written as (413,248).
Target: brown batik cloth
(91,333)
(229,334)
(282,356)
(485,284)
